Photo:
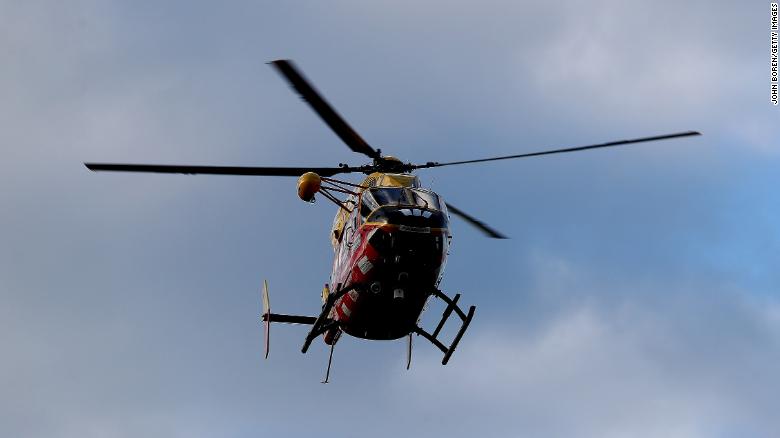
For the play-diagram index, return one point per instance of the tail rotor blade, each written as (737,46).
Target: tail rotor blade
(266,318)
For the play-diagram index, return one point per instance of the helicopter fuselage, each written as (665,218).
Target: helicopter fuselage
(393,242)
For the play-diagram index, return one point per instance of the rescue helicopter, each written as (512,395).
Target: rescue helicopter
(390,236)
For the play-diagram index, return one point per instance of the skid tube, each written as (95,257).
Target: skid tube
(323,323)
(452,305)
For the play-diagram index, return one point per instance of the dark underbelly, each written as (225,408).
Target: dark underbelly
(385,315)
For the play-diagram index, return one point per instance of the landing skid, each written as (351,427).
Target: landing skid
(322,324)
(452,305)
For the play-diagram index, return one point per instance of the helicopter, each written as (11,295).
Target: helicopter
(390,236)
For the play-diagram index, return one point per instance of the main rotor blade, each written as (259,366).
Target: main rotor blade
(475,222)
(219,170)
(287,69)
(558,151)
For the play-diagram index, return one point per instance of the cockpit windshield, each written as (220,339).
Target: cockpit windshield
(401,196)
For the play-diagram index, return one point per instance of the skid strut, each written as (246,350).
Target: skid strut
(330,360)
(452,306)
(409,351)
(322,324)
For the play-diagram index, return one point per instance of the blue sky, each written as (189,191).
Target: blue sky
(637,297)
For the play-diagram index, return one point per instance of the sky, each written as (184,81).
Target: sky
(637,296)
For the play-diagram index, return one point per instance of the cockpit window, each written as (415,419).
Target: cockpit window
(367,204)
(404,196)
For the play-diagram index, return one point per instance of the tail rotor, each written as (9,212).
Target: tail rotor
(266,318)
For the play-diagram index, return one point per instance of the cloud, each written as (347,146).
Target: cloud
(638,367)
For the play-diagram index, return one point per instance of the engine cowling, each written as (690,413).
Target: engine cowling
(308,185)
